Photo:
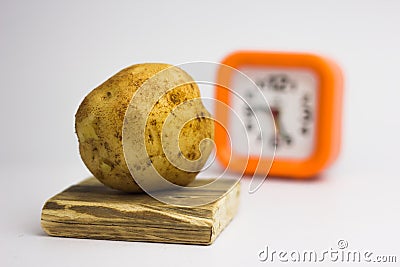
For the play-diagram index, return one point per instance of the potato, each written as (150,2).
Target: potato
(99,124)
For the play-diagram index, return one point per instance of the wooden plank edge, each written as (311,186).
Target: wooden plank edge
(226,211)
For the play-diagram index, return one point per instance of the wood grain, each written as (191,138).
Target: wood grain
(91,210)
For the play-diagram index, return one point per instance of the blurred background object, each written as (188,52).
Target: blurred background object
(289,109)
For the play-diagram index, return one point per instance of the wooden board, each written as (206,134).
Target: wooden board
(91,210)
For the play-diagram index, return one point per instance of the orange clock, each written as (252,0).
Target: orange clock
(289,113)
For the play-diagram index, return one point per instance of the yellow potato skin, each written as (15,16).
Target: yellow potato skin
(99,122)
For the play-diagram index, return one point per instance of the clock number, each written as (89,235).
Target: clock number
(307,114)
(280,82)
(276,82)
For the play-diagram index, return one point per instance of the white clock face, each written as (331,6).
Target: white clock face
(291,94)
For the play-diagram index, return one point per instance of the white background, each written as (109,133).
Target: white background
(52,53)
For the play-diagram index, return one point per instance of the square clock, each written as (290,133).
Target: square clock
(291,116)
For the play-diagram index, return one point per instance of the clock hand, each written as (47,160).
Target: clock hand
(281,133)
